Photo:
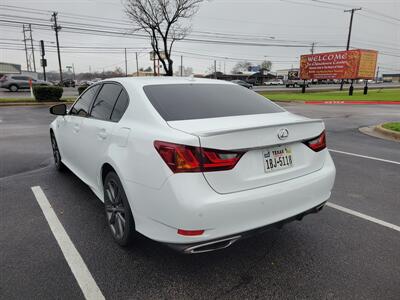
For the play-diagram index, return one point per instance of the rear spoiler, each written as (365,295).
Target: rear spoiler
(230,130)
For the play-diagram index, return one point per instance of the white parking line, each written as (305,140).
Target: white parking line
(364,156)
(363,216)
(78,267)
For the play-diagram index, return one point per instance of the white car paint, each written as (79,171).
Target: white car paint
(222,203)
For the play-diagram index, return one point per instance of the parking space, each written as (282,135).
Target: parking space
(329,255)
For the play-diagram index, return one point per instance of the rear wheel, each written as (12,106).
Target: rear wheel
(13,88)
(56,153)
(118,212)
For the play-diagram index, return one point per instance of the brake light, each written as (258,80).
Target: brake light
(182,158)
(317,144)
(190,232)
(4,78)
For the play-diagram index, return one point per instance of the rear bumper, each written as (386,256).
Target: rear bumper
(224,242)
(186,201)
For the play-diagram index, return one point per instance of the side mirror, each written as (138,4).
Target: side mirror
(58,110)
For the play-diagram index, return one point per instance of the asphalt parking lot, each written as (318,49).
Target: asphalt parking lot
(335,254)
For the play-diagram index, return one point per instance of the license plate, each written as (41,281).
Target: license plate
(277,159)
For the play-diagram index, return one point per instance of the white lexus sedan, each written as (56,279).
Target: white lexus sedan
(193,163)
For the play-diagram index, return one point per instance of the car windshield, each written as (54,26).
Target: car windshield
(200,101)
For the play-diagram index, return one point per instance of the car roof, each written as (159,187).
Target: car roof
(143,81)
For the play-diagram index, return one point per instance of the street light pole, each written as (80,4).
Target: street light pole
(137,65)
(181,65)
(126,65)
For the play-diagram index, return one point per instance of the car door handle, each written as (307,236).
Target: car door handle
(102,134)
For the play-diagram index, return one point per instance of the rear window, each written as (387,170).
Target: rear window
(200,101)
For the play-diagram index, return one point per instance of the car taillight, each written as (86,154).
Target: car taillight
(317,144)
(182,158)
(4,78)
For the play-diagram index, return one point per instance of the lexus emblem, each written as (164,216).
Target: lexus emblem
(283,133)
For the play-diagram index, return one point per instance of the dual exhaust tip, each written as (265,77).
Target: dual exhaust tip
(212,246)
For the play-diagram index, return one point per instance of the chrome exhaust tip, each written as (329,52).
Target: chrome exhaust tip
(212,246)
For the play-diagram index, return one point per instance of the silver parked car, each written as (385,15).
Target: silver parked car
(16,82)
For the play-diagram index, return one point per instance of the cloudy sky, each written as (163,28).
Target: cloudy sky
(282,30)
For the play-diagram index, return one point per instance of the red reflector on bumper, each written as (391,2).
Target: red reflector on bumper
(190,232)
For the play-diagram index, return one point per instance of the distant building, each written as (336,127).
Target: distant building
(391,77)
(143,74)
(8,68)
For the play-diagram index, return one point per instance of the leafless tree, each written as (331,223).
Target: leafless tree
(266,65)
(165,22)
(241,66)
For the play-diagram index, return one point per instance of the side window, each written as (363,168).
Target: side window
(81,107)
(120,106)
(105,101)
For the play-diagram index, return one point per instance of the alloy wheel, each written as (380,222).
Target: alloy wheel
(56,152)
(115,210)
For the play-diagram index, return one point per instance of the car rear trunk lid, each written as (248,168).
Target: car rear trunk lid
(258,136)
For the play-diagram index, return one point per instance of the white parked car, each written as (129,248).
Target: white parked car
(193,163)
(274,82)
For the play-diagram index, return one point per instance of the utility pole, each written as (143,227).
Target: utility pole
(29,50)
(73,70)
(126,65)
(215,69)
(28,66)
(33,51)
(377,74)
(348,39)
(181,65)
(312,48)
(137,65)
(57,28)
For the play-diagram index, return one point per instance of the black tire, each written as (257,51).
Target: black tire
(56,153)
(13,88)
(118,212)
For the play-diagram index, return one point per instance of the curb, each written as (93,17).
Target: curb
(370,131)
(373,102)
(390,133)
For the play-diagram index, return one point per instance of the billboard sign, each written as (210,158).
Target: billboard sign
(351,64)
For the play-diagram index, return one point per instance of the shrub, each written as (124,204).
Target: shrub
(82,88)
(47,93)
